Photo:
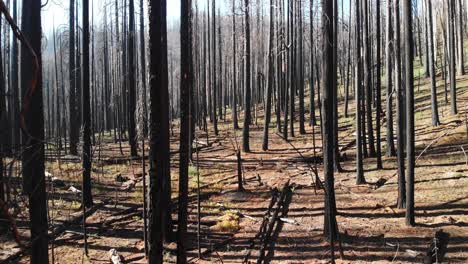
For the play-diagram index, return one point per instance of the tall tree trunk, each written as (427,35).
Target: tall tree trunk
(410,159)
(159,125)
(313,121)
(185,87)
(73,133)
(453,84)
(378,104)
(33,131)
(461,47)
(87,156)
(389,72)
(3,119)
(213,65)
(144,100)
(400,111)
(434,105)
(271,77)
(358,83)
(368,79)
(131,81)
(328,45)
(247,99)
(301,73)
(234,68)
(15,108)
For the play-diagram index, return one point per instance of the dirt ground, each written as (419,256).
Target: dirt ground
(371,227)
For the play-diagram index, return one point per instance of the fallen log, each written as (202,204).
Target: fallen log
(273,220)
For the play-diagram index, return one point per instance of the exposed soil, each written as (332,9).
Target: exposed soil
(371,228)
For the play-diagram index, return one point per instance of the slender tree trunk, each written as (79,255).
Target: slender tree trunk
(301,73)
(461,53)
(213,65)
(368,79)
(15,108)
(87,156)
(159,125)
(132,137)
(73,133)
(234,68)
(3,119)
(271,77)
(378,104)
(313,121)
(330,227)
(410,159)
(453,84)
(33,131)
(247,99)
(389,63)
(185,87)
(400,111)
(357,53)
(143,71)
(434,105)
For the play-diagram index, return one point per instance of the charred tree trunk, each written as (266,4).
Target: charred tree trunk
(213,65)
(410,159)
(368,79)
(159,135)
(247,95)
(132,137)
(87,156)
(271,77)
(400,111)
(33,131)
(378,104)
(234,68)
(185,87)
(73,132)
(453,84)
(389,63)
(328,88)
(357,53)
(313,121)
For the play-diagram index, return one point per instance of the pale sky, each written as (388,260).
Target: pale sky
(56,11)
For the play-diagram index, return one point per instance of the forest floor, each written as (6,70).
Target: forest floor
(371,227)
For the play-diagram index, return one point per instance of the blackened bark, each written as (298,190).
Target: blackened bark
(330,227)
(453,84)
(301,73)
(185,87)
(144,104)
(131,81)
(313,121)
(368,79)
(389,63)
(235,121)
(378,101)
(3,119)
(247,99)
(73,133)
(15,106)
(357,53)
(410,159)
(33,131)
(271,77)
(87,158)
(159,125)
(213,65)
(400,111)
